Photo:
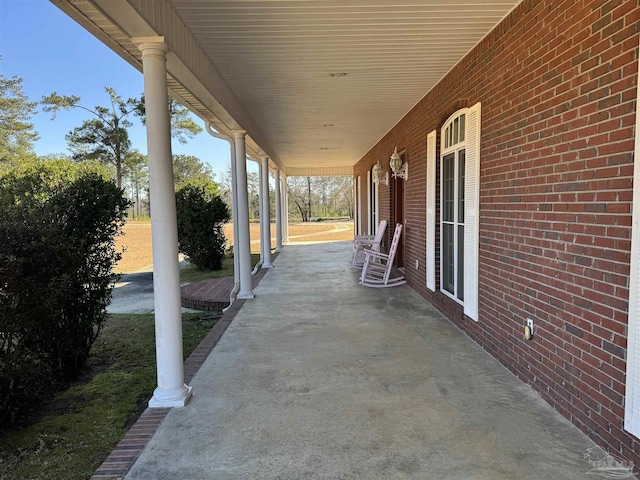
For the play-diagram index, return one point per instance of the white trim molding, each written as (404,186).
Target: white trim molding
(431,211)
(632,394)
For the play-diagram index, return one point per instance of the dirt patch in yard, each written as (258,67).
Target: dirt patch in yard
(137,240)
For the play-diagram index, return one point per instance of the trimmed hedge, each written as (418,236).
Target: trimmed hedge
(201,216)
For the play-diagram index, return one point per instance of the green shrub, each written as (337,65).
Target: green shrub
(201,215)
(57,250)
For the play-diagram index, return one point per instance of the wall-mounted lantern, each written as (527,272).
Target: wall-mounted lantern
(379,176)
(398,168)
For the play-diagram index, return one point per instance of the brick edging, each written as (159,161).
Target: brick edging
(126,452)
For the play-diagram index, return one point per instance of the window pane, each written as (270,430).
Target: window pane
(448,187)
(460,279)
(447,258)
(462,127)
(461,162)
(455,131)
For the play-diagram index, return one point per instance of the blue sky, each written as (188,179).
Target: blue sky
(52,53)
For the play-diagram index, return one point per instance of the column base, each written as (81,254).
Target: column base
(170,398)
(278,249)
(267,265)
(246,295)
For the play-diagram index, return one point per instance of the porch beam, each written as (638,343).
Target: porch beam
(171,390)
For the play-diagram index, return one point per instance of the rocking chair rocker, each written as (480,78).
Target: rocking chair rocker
(378,266)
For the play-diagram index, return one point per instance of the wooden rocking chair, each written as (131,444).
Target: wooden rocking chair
(361,243)
(378,266)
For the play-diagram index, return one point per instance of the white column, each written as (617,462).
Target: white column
(260,216)
(171,390)
(278,201)
(285,208)
(234,212)
(243,243)
(265,213)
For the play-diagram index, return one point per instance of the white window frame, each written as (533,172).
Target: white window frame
(450,143)
(454,151)
(632,387)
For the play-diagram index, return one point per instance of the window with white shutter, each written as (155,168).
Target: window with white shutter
(459,208)
(632,398)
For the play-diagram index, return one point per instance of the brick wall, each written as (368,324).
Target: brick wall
(557,83)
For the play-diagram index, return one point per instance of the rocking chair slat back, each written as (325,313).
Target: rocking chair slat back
(378,266)
(362,243)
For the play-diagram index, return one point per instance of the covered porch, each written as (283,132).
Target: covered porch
(301,88)
(513,128)
(318,377)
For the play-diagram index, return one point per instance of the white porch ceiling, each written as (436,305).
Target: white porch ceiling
(280,59)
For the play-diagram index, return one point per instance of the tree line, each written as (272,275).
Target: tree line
(310,198)
(104,138)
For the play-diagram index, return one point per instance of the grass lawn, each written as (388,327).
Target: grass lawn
(191,273)
(69,437)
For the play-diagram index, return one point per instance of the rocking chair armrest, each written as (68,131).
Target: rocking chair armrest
(364,242)
(375,254)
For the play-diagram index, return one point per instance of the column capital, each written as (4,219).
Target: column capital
(151,45)
(239,133)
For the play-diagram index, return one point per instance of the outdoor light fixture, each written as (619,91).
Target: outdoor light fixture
(398,169)
(379,176)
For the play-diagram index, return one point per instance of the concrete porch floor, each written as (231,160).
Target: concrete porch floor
(320,378)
